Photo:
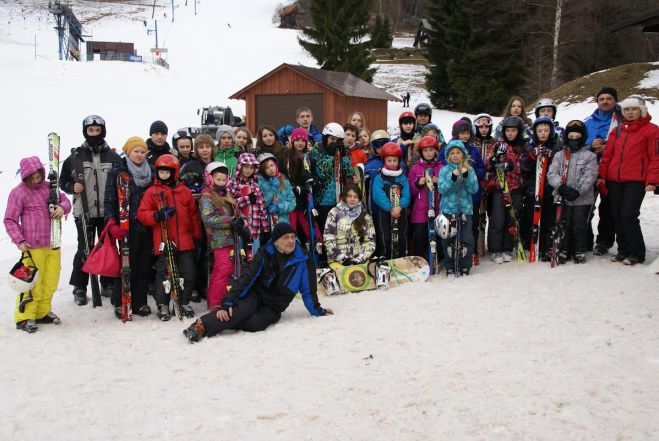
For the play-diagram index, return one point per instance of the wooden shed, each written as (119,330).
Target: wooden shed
(332,97)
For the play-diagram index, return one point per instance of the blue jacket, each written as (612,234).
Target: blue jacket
(285,198)
(600,124)
(380,196)
(477,164)
(449,188)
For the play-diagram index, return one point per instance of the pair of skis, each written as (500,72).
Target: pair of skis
(510,210)
(432,237)
(559,230)
(53,195)
(123,198)
(174,283)
(540,176)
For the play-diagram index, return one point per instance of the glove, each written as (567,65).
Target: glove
(252,198)
(348,262)
(190,179)
(236,224)
(297,190)
(116,232)
(505,166)
(164,213)
(273,208)
(571,194)
(465,174)
(500,150)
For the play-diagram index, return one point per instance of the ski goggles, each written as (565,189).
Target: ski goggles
(575,123)
(483,122)
(93,120)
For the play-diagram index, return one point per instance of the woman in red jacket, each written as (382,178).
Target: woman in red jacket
(630,167)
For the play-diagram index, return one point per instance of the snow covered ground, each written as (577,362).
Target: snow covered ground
(513,352)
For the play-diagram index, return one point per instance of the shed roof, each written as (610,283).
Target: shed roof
(341,82)
(649,22)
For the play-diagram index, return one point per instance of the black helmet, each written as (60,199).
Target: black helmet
(180,133)
(512,121)
(423,108)
(93,120)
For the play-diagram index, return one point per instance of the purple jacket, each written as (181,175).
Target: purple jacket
(420,195)
(27,217)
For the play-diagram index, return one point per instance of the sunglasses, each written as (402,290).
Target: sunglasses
(94,120)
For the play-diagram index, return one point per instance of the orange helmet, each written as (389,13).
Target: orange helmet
(427,142)
(168,161)
(390,149)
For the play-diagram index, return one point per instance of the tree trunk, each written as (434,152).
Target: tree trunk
(557,31)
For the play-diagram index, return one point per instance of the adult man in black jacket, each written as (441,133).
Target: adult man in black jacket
(275,275)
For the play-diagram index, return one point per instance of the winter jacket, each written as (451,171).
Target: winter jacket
(285,197)
(284,132)
(27,218)
(601,124)
(460,188)
(529,163)
(135,198)
(96,167)
(634,155)
(229,157)
(297,178)
(192,175)
(240,188)
(322,167)
(420,194)
(581,174)
(216,219)
(156,151)
(342,240)
(514,176)
(476,161)
(184,227)
(380,190)
(277,284)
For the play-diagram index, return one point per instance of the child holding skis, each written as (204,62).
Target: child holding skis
(28,224)
(226,152)
(277,192)
(349,231)
(484,142)
(169,204)
(457,182)
(386,210)
(419,186)
(244,188)
(577,190)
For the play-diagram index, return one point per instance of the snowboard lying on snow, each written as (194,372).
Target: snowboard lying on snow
(361,277)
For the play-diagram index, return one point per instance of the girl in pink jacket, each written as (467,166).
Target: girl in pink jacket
(27,221)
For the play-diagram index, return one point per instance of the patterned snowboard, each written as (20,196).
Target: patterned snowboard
(357,278)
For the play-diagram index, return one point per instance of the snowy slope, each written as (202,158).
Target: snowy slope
(513,352)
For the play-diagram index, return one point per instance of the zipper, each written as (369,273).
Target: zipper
(622,151)
(642,167)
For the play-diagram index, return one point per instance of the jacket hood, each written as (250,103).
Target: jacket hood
(631,126)
(31,165)
(454,143)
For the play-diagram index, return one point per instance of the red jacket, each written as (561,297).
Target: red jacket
(184,226)
(514,176)
(634,156)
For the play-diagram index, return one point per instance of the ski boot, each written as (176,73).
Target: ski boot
(382,274)
(187,311)
(579,258)
(106,291)
(498,258)
(476,259)
(195,296)
(80,295)
(464,271)
(600,250)
(630,261)
(29,326)
(143,311)
(117,312)
(562,258)
(51,317)
(195,332)
(163,313)
(617,258)
(327,278)
(507,256)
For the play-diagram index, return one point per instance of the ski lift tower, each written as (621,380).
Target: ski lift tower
(69,30)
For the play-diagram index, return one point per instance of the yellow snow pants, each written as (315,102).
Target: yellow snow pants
(48,262)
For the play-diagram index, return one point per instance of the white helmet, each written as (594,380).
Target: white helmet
(444,227)
(545,102)
(217,166)
(334,129)
(22,277)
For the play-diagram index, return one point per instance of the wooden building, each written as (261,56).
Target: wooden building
(332,97)
(110,50)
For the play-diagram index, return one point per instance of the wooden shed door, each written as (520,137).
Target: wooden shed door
(279,110)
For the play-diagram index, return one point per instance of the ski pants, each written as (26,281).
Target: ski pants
(220,277)
(48,262)
(78,276)
(186,270)
(383,246)
(499,238)
(140,246)
(475,221)
(625,199)
(466,237)
(202,279)
(298,219)
(249,314)
(420,246)
(576,220)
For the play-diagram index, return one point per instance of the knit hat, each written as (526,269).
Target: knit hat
(281,229)
(635,101)
(158,126)
(461,125)
(222,129)
(610,90)
(299,133)
(134,142)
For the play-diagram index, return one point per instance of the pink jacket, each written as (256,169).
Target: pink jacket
(420,195)
(27,217)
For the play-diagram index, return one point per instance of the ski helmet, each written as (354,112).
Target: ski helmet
(334,129)
(445,228)
(181,133)
(482,119)
(378,139)
(544,120)
(545,102)
(423,109)
(513,121)
(93,120)
(265,156)
(390,149)
(168,162)
(22,277)
(427,142)
(214,167)
(407,115)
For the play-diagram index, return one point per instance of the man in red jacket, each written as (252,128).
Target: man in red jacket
(170,203)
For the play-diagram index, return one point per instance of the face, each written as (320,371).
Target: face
(364,137)
(546,111)
(300,144)
(331,139)
(225,141)
(241,139)
(422,119)
(455,156)
(286,243)
(431,132)
(304,119)
(428,153)
(219,179)
(137,155)
(351,198)
(349,138)
(516,108)
(268,137)
(159,138)
(483,130)
(542,131)
(204,152)
(606,102)
(574,135)
(247,170)
(163,175)
(407,126)
(184,147)
(511,133)
(269,168)
(464,136)
(34,178)
(391,162)
(356,120)
(93,130)
(631,113)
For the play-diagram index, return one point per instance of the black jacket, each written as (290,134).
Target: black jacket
(135,197)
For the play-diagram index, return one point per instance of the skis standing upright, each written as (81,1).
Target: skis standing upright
(174,283)
(359,172)
(457,244)
(432,240)
(482,212)
(53,196)
(123,197)
(508,201)
(89,233)
(394,198)
(338,176)
(558,232)
(540,176)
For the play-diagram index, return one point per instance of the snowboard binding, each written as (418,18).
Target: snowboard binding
(382,274)
(328,280)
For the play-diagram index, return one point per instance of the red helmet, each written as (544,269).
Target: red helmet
(426,142)
(390,149)
(168,161)
(406,114)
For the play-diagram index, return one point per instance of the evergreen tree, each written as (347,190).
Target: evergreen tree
(387,33)
(439,13)
(377,40)
(336,39)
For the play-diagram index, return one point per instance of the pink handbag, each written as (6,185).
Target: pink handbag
(103,259)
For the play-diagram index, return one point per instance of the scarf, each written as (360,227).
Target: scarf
(141,174)
(351,213)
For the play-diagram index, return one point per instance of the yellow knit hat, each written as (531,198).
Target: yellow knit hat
(133,142)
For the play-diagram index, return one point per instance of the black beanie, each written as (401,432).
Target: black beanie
(610,90)
(280,229)
(158,126)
